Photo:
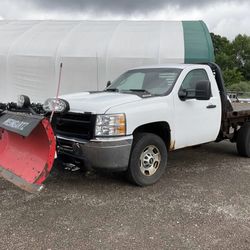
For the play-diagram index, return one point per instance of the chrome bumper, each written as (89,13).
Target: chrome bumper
(101,153)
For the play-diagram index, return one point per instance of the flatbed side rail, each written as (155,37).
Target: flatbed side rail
(233,120)
(236,118)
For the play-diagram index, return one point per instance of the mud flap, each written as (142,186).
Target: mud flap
(27,150)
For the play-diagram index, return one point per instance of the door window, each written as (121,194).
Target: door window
(193,77)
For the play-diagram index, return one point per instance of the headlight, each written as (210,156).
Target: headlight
(56,105)
(23,101)
(110,125)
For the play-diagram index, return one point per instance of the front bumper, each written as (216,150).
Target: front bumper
(111,153)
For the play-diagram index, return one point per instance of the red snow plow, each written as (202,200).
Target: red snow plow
(27,148)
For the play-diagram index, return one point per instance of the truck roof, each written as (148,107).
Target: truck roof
(178,66)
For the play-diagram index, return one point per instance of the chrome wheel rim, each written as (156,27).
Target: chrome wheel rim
(150,160)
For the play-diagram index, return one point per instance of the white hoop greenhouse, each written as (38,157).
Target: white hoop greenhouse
(92,52)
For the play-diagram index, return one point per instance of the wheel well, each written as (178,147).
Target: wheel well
(162,129)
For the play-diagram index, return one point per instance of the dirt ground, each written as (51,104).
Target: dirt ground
(202,202)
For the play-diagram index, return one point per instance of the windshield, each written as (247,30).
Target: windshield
(157,81)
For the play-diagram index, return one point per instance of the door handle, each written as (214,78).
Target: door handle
(211,106)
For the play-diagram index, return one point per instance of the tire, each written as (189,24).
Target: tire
(243,140)
(148,159)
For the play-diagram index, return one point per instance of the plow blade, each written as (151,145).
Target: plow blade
(27,150)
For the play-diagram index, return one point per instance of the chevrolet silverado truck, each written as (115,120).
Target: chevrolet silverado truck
(142,116)
(146,113)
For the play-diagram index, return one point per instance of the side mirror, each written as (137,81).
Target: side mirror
(203,90)
(185,94)
(108,84)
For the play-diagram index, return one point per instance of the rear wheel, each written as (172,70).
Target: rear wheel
(148,159)
(243,140)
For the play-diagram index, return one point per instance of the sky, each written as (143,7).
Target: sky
(224,17)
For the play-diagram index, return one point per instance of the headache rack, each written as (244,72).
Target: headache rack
(75,125)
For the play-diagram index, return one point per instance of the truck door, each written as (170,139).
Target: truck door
(196,121)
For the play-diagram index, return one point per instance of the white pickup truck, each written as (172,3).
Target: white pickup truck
(143,115)
(139,118)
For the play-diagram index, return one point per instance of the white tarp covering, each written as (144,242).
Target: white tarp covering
(92,52)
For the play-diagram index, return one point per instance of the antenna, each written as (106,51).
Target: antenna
(97,72)
(57,92)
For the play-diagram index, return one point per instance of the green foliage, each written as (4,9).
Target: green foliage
(232,76)
(241,52)
(234,60)
(240,87)
(222,50)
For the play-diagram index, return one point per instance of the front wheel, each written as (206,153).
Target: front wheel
(148,159)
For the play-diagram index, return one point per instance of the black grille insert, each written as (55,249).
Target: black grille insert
(75,125)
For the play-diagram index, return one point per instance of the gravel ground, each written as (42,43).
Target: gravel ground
(202,202)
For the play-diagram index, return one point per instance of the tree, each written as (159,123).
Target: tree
(223,52)
(232,76)
(234,60)
(240,87)
(241,52)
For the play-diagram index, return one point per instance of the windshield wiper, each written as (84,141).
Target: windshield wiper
(140,90)
(112,90)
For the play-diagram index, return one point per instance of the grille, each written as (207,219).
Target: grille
(80,126)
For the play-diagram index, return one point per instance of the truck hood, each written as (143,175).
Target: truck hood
(97,102)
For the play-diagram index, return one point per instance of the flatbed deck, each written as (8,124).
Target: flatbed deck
(234,119)
(239,110)
(238,106)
